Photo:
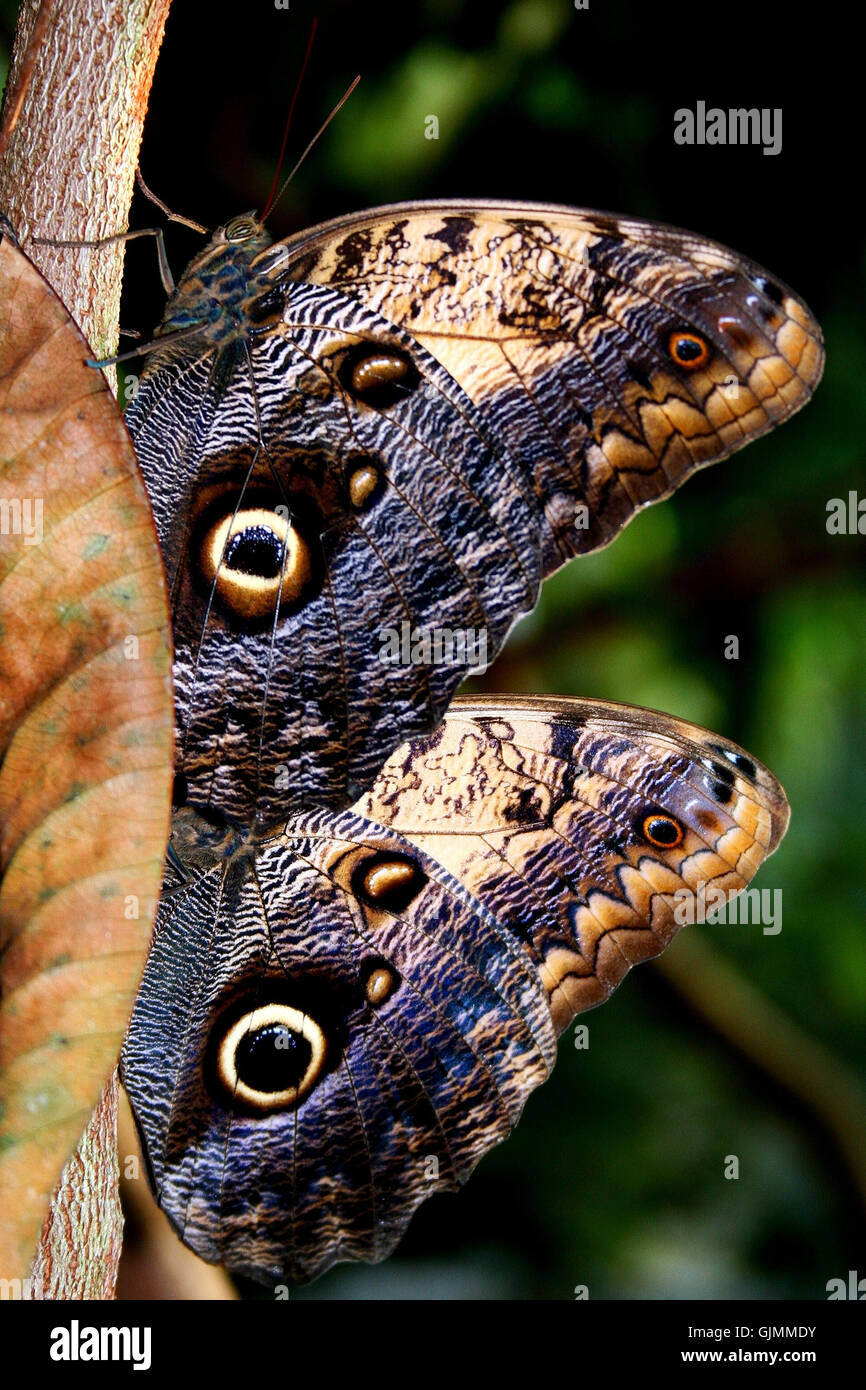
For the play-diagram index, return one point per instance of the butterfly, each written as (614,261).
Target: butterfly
(339,1018)
(381,434)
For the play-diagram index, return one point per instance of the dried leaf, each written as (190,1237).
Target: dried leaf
(85,742)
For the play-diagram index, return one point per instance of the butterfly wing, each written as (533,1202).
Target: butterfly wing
(612,356)
(414,1029)
(593,830)
(340,1023)
(341,550)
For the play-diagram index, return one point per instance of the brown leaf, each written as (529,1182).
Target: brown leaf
(85,742)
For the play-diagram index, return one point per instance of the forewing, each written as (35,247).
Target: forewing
(613,356)
(555,815)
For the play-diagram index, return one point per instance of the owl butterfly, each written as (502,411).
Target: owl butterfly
(340,1019)
(388,429)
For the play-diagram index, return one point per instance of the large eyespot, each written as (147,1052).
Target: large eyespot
(241,229)
(378,376)
(256,559)
(688,350)
(388,881)
(661,830)
(271,1057)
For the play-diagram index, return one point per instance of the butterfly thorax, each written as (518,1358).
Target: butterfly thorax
(200,839)
(224,288)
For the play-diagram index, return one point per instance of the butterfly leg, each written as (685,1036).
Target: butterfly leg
(164,269)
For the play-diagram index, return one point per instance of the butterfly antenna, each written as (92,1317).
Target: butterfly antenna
(271,199)
(319,133)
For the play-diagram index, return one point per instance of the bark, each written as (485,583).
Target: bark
(69,168)
(67,172)
(81,1240)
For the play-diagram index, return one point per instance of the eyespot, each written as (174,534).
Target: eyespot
(722,771)
(268,308)
(740,761)
(769,288)
(271,1057)
(379,982)
(721,791)
(388,881)
(688,350)
(378,376)
(661,830)
(364,482)
(256,559)
(735,330)
(241,229)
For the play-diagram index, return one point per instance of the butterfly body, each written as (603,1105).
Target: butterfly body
(220,288)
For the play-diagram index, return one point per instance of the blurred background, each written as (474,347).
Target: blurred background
(736,1043)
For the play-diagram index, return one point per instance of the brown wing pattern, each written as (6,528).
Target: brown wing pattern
(340,1022)
(540,808)
(613,356)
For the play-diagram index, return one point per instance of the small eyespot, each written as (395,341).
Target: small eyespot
(364,482)
(688,350)
(380,981)
(771,290)
(662,831)
(271,1057)
(388,881)
(740,761)
(378,376)
(268,308)
(240,229)
(722,771)
(735,330)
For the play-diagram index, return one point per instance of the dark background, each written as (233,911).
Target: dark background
(614,1178)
